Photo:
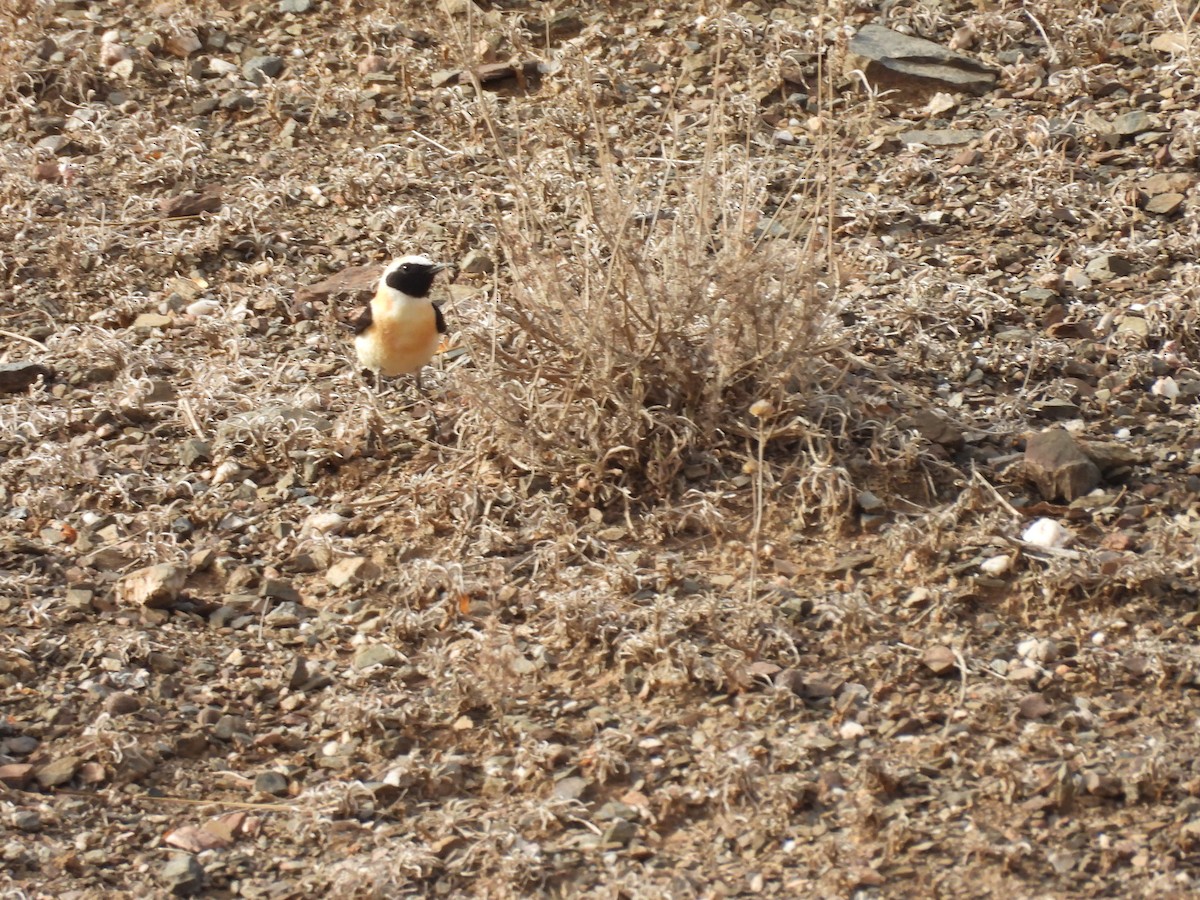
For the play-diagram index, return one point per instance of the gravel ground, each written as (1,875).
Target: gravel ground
(806,502)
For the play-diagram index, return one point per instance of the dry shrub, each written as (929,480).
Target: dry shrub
(648,320)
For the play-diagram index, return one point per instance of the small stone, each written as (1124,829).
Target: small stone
(620,832)
(259,68)
(354,570)
(1045,532)
(996,566)
(148,321)
(1108,266)
(183,876)
(229,727)
(194,451)
(1170,42)
(236,101)
(53,144)
(571,788)
(27,820)
(16,775)
(1165,204)
(183,44)
(1058,466)
(476,262)
(59,771)
(851,730)
(1131,123)
(869,502)
(1055,410)
(296,673)
(271,782)
(20,745)
(154,587)
(372,655)
(936,429)
(1137,326)
(372,64)
(294,6)
(941,137)
(203,307)
(1034,706)
(279,589)
(121,703)
(192,203)
(939,660)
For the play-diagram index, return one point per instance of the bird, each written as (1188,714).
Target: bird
(401,329)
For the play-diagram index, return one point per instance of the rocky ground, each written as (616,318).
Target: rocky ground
(806,504)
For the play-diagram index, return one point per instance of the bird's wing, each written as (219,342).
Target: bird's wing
(362,319)
(439,319)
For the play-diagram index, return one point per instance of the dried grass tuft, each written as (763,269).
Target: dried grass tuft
(647,321)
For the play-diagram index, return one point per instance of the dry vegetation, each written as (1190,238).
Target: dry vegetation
(699,571)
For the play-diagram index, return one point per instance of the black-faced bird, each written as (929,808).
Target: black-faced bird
(400,331)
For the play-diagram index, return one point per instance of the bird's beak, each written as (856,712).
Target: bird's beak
(440,267)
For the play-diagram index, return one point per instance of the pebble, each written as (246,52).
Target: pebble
(376,655)
(121,703)
(258,69)
(1046,533)
(27,820)
(271,782)
(996,565)
(1108,266)
(476,262)
(1059,467)
(182,875)
(58,772)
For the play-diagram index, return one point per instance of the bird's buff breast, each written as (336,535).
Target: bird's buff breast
(399,341)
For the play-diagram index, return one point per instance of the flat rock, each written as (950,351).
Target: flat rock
(351,280)
(354,570)
(1058,466)
(191,203)
(58,771)
(894,61)
(939,660)
(940,137)
(1110,456)
(476,262)
(936,429)
(1170,42)
(1165,204)
(150,321)
(18,376)
(1131,123)
(155,587)
(371,655)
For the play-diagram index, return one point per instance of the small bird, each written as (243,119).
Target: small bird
(401,329)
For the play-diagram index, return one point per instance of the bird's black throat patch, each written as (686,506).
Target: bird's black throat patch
(413,279)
